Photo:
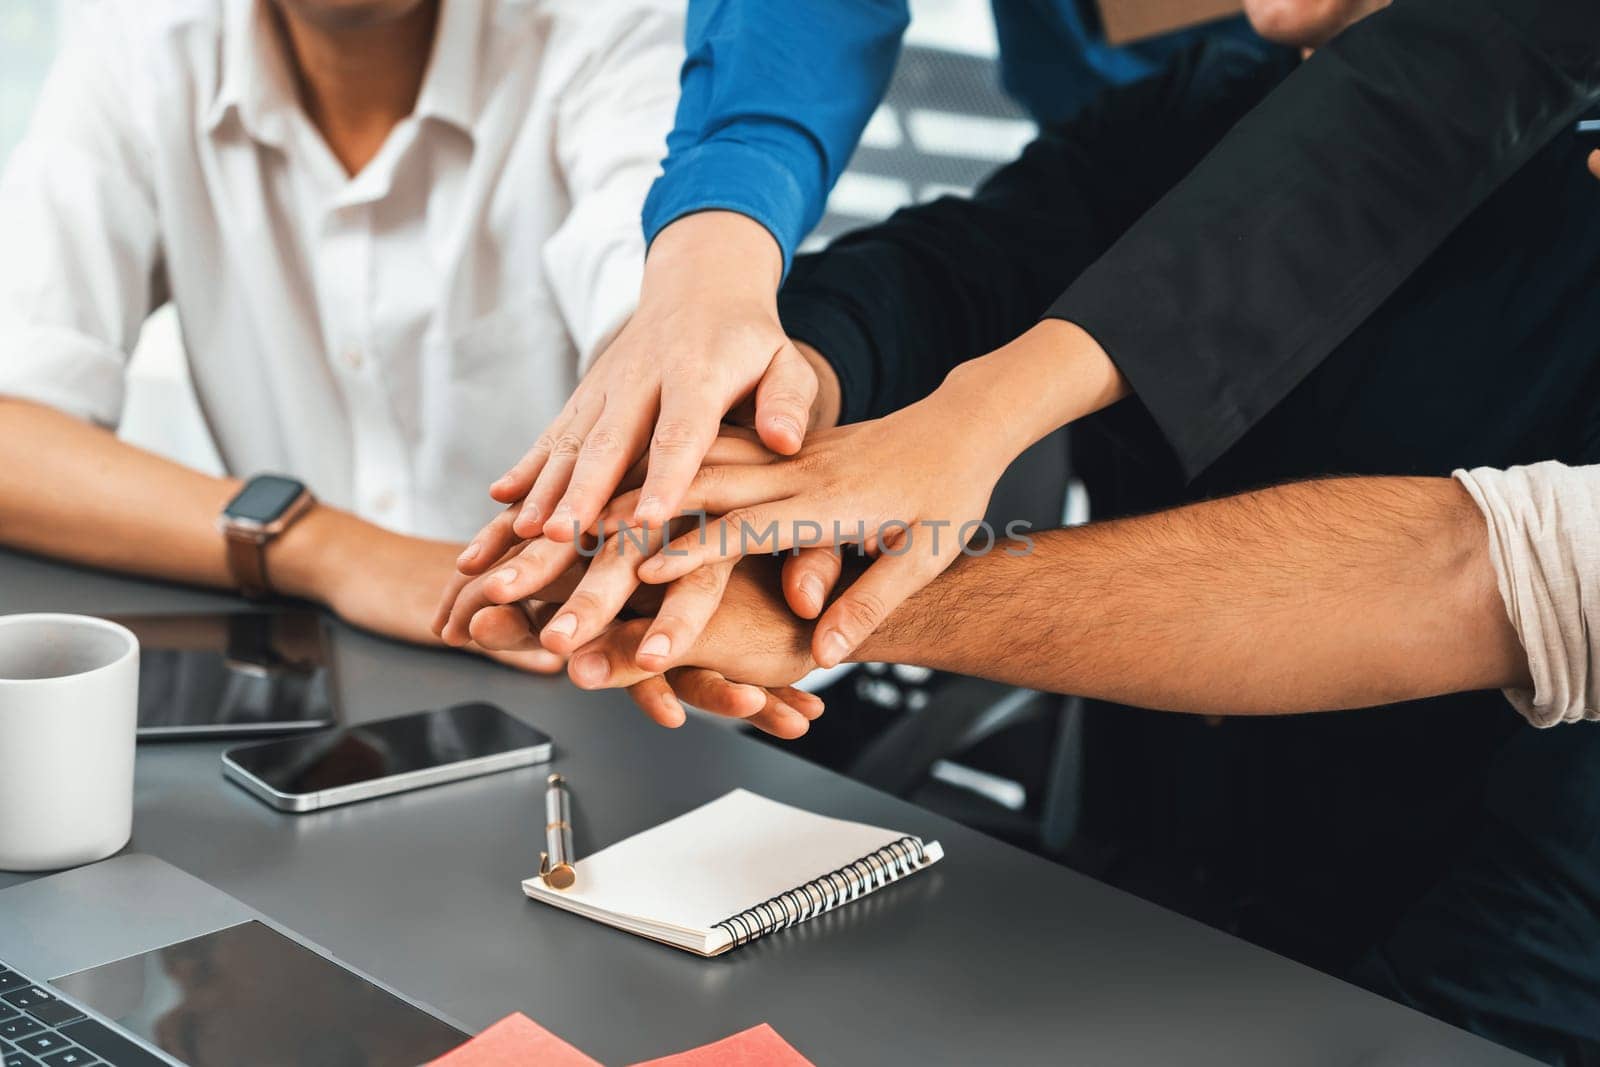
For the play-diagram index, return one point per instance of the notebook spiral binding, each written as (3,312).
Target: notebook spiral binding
(887,865)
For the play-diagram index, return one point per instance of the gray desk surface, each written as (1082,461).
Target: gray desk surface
(994,956)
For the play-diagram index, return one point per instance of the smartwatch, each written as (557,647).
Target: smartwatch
(267,505)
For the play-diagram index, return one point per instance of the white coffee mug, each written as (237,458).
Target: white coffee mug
(69,698)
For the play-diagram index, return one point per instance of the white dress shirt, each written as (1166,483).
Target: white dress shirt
(1544,541)
(395,339)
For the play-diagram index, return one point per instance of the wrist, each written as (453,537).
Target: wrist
(721,253)
(1053,374)
(311,556)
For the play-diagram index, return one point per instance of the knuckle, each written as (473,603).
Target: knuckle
(710,479)
(674,437)
(583,602)
(786,396)
(602,441)
(566,444)
(702,581)
(863,611)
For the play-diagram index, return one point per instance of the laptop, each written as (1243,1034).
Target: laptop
(133,963)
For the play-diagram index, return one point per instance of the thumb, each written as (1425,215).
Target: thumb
(783,401)
(874,596)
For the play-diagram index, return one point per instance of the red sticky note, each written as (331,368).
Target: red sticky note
(515,1041)
(759,1046)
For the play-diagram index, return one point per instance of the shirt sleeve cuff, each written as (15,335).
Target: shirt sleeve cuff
(727,176)
(1540,521)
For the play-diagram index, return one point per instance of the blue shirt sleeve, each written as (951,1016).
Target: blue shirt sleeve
(775,96)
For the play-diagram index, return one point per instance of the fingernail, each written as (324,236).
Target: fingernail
(563,625)
(649,507)
(811,586)
(590,668)
(506,575)
(834,649)
(658,645)
(563,511)
(674,706)
(531,513)
(470,553)
(784,422)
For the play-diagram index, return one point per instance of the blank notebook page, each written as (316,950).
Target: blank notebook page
(677,881)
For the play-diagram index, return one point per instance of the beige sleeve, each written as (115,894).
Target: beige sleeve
(1544,539)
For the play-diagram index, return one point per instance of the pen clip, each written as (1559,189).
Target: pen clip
(544,864)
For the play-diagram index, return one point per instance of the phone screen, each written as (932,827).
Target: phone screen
(386,748)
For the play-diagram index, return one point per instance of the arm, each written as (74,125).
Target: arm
(73,491)
(897,305)
(1327,197)
(1320,595)
(775,96)
(900,306)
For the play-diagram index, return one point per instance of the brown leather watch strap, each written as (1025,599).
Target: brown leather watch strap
(247,544)
(247,559)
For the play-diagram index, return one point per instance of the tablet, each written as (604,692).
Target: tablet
(232,674)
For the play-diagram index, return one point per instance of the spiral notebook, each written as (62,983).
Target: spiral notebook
(734,870)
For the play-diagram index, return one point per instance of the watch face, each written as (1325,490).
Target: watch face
(264,498)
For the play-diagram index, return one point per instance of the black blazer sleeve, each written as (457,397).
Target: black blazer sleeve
(1323,199)
(895,306)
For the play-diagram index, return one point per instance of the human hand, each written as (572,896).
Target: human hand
(1594,163)
(910,489)
(488,550)
(753,636)
(780,710)
(596,579)
(706,335)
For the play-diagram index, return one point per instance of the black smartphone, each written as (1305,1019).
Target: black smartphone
(376,759)
(230,674)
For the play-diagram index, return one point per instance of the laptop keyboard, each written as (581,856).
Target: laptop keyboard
(39,1029)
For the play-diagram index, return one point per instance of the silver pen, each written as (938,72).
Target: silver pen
(555,863)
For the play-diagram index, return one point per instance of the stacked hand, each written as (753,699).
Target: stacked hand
(644,440)
(710,611)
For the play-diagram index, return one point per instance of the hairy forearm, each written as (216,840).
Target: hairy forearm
(73,491)
(1329,594)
